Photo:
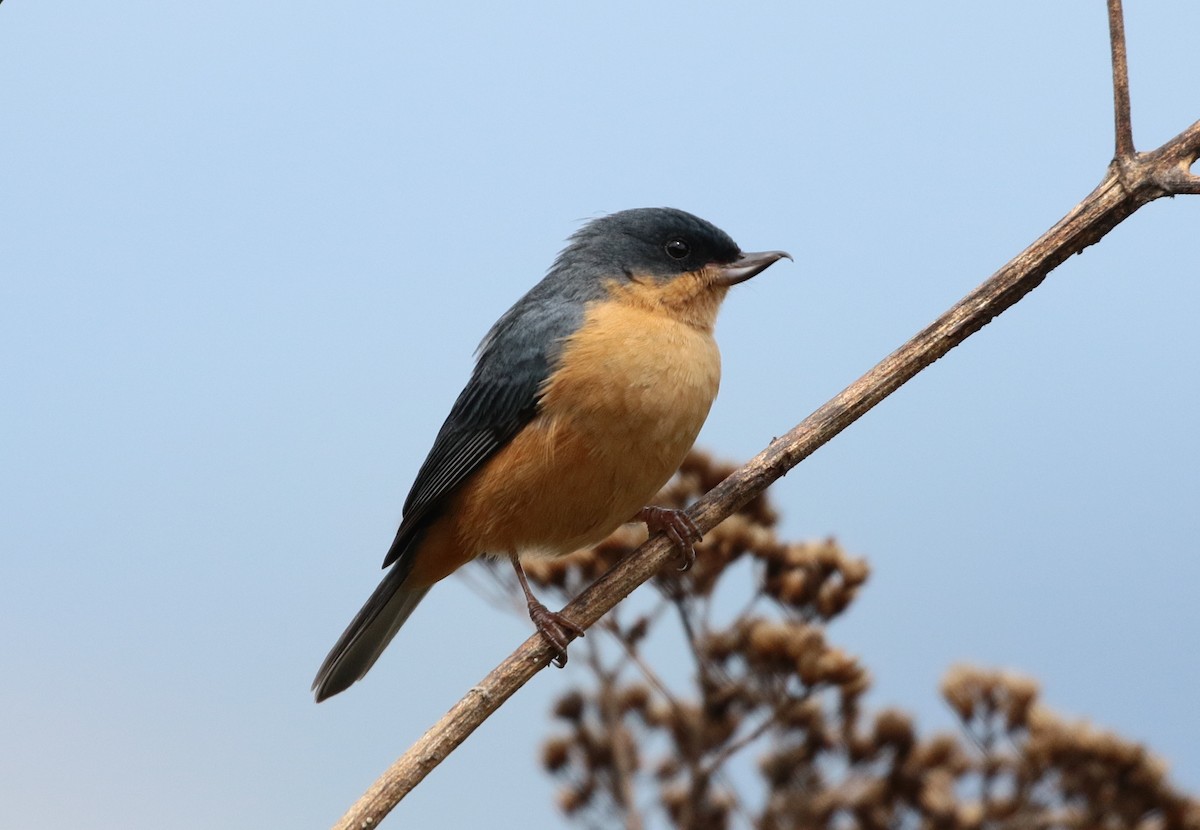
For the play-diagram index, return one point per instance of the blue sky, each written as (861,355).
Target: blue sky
(247,249)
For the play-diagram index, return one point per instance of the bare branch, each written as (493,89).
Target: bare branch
(623,767)
(1167,169)
(1120,73)
(1170,165)
(648,673)
(1131,181)
(713,764)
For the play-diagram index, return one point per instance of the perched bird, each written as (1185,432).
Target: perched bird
(585,398)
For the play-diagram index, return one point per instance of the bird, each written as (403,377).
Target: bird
(585,397)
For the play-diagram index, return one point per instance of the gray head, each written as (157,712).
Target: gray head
(645,248)
(653,243)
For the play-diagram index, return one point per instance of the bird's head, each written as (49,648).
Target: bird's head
(661,258)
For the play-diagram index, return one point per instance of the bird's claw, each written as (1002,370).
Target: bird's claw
(557,630)
(678,527)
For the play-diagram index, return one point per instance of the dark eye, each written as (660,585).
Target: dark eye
(678,249)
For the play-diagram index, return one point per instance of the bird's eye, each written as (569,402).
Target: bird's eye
(678,249)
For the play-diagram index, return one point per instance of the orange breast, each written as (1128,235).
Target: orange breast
(633,389)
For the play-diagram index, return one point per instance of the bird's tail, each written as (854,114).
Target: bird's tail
(369,633)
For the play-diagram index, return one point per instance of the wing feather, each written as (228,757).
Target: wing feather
(502,396)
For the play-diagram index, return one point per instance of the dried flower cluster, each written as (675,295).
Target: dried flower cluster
(770,731)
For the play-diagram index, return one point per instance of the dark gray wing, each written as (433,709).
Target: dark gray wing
(502,397)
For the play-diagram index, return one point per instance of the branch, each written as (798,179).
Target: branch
(1127,186)
(1167,169)
(1120,72)
(623,766)
(713,764)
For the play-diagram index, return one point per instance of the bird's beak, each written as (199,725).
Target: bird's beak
(747,265)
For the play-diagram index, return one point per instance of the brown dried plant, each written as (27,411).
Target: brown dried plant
(806,591)
(770,732)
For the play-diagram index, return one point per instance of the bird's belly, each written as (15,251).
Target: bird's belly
(616,420)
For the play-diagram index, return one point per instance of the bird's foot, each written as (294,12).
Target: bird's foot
(555,628)
(678,526)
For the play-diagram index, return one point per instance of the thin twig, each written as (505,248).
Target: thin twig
(714,763)
(611,717)
(633,656)
(1162,172)
(1120,72)
(682,606)
(651,677)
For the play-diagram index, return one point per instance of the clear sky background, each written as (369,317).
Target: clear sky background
(247,250)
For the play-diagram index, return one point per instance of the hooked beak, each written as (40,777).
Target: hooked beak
(747,265)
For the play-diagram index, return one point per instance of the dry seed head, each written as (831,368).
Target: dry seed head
(719,645)
(851,690)
(941,750)
(832,599)
(792,587)
(970,816)
(866,795)
(570,706)
(634,698)
(673,798)
(937,795)
(556,754)
(837,667)
(808,667)
(768,641)
(855,571)
(779,766)
(658,713)
(960,690)
(759,538)
(805,639)
(597,750)
(1003,807)
(572,800)
(894,728)
(717,730)
(684,722)
(801,555)
(1096,776)
(805,714)
(859,747)
(828,554)
(1041,722)
(1019,694)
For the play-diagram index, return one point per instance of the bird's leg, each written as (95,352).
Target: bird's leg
(557,629)
(678,526)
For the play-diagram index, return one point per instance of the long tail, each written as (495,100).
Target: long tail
(369,633)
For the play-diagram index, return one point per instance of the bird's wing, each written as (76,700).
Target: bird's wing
(501,398)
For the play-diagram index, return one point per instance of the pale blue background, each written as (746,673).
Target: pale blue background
(248,248)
